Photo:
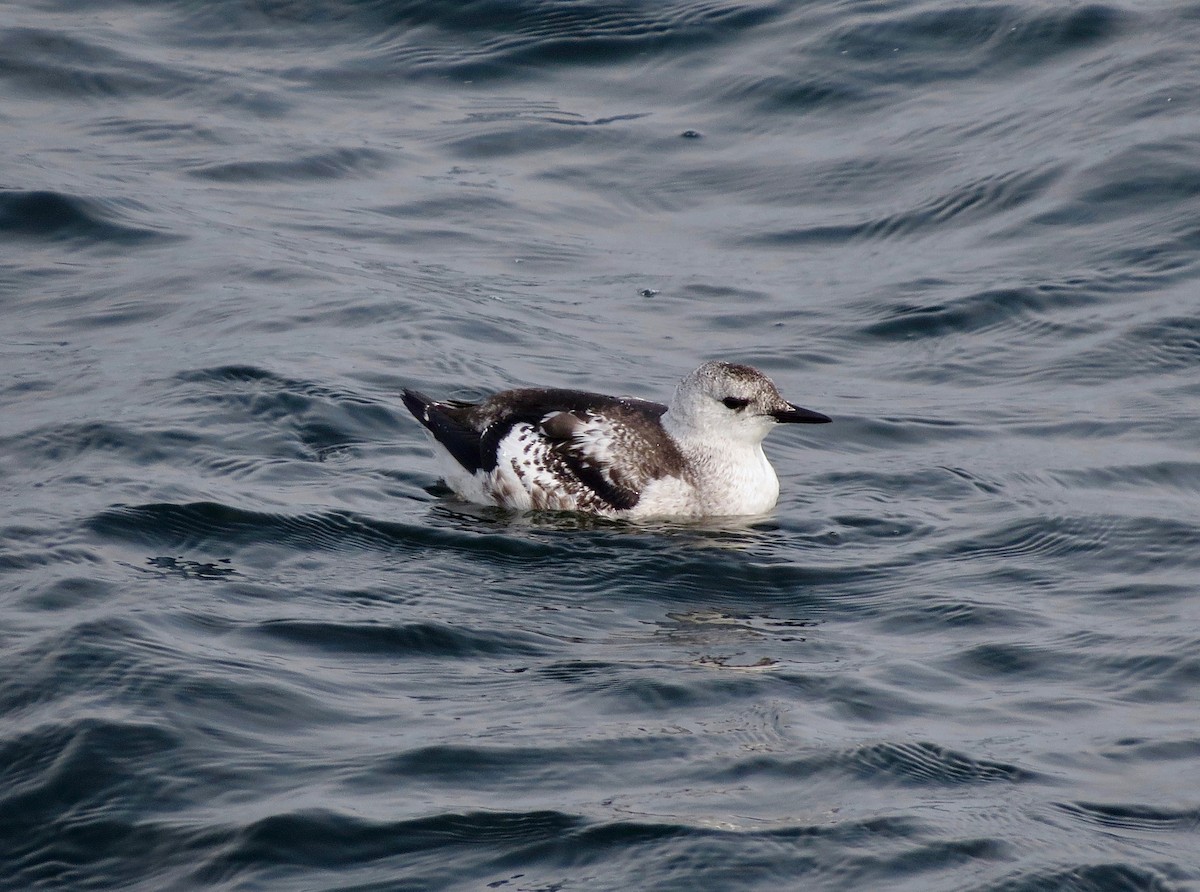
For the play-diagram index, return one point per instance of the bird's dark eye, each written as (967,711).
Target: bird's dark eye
(732,402)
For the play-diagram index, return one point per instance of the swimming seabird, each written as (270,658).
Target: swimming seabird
(568,450)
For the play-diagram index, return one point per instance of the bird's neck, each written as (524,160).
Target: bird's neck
(734,476)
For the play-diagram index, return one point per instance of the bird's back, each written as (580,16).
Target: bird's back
(551,448)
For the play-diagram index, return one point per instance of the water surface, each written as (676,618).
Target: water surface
(250,643)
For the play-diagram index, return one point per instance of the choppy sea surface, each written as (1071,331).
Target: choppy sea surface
(247,642)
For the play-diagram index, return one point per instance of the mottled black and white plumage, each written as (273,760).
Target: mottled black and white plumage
(569,450)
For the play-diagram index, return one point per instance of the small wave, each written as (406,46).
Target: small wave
(881,53)
(1140,749)
(320,839)
(62,779)
(1181,477)
(1039,537)
(918,764)
(218,527)
(1102,877)
(509,38)
(56,216)
(65,442)
(1135,817)
(930,764)
(1167,346)
(966,40)
(984,199)
(1008,661)
(1148,176)
(56,64)
(1027,309)
(502,768)
(427,639)
(332,164)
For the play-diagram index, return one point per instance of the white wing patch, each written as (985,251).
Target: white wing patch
(527,475)
(568,461)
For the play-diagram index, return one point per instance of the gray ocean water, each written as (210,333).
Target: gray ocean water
(248,642)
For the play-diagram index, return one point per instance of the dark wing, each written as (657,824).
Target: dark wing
(612,446)
(587,446)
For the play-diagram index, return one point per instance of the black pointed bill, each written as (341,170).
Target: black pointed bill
(796,415)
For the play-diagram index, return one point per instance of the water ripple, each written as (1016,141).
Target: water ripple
(988,198)
(55,216)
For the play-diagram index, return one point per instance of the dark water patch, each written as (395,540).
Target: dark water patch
(645,693)
(269,397)
(924,857)
(1110,876)
(1135,816)
(507,767)
(937,483)
(55,216)
(250,701)
(1166,346)
(1074,538)
(992,309)
(1123,665)
(518,133)
(297,420)
(484,112)
(104,852)
(324,840)
(706,292)
(919,764)
(220,380)
(1128,545)
(865,529)
(796,93)
(218,527)
(398,641)
(59,772)
(1141,749)
(719,580)
(1166,259)
(892,432)
(188,569)
(966,40)
(1166,476)
(519,38)
(53,64)
(66,443)
(208,525)
(452,206)
(67,593)
(737,857)
(155,131)
(983,199)
(93,655)
(42,555)
(1128,593)
(854,699)
(591,673)
(231,373)
(641,689)
(875,54)
(934,613)
(1153,677)
(927,763)
(1154,175)
(327,165)
(109,663)
(1010,661)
